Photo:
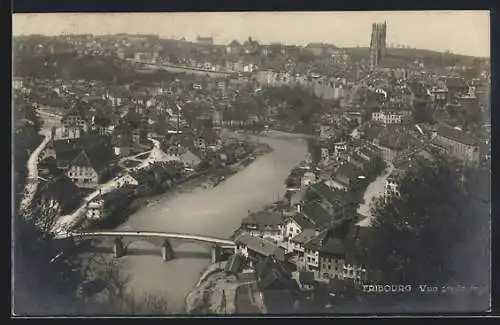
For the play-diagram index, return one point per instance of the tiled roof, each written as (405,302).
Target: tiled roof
(336,198)
(303,222)
(315,213)
(305,236)
(98,155)
(306,277)
(456,135)
(333,246)
(263,218)
(257,244)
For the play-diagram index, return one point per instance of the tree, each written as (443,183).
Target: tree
(418,236)
(314,150)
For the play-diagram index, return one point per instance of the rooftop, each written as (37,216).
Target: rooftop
(456,135)
(305,236)
(260,245)
(263,218)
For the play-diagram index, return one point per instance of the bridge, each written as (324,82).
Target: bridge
(121,239)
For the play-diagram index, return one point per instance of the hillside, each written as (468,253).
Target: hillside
(429,57)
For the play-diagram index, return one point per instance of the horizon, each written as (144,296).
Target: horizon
(459,32)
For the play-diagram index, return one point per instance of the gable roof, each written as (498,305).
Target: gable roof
(259,245)
(97,156)
(333,246)
(456,135)
(335,198)
(305,236)
(306,277)
(315,213)
(263,218)
(302,221)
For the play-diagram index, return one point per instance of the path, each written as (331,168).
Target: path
(373,191)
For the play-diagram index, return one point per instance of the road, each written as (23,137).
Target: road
(32,180)
(49,120)
(213,212)
(374,190)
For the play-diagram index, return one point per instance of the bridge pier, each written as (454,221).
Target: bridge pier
(216,253)
(118,248)
(167,252)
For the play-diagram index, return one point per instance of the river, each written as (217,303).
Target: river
(214,212)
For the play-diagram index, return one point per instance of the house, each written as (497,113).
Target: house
(306,281)
(391,144)
(296,246)
(308,179)
(127,180)
(316,214)
(234,47)
(311,252)
(392,182)
(278,289)
(294,225)
(256,249)
(455,86)
(335,202)
(390,117)
(457,144)
(332,259)
(207,138)
(250,46)
(75,122)
(104,205)
(91,164)
(122,139)
(264,224)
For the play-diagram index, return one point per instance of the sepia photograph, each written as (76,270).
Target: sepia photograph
(251,163)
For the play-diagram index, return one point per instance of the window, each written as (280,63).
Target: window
(329,267)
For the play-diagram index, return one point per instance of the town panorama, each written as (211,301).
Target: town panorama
(157,176)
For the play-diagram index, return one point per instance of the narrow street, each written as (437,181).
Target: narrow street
(374,190)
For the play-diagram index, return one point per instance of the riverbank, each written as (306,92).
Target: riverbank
(203,180)
(214,211)
(219,293)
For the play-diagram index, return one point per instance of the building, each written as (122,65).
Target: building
(234,47)
(75,123)
(377,44)
(205,40)
(296,246)
(390,117)
(457,144)
(104,205)
(335,202)
(90,165)
(332,259)
(256,249)
(264,224)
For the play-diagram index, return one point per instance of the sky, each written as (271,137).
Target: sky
(461,32)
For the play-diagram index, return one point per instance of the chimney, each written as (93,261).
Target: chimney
(299,208)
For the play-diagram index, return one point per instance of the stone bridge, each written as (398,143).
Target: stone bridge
(121,240)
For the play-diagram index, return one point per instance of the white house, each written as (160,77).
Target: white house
(95,209)
(309,178)
(127,179)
